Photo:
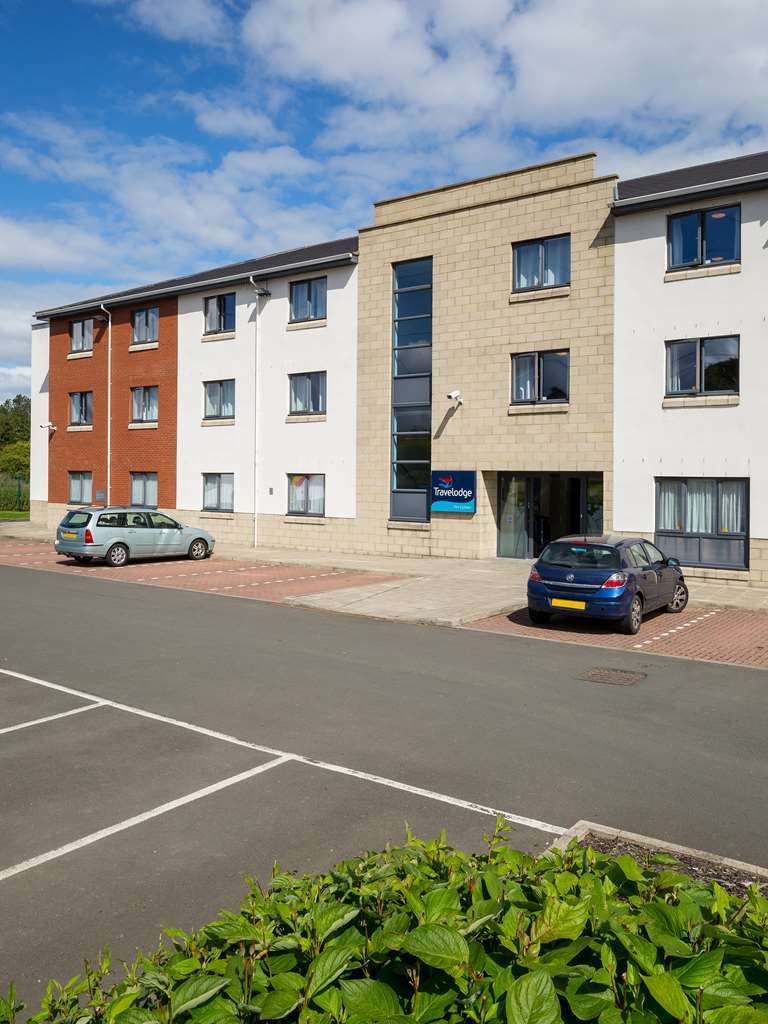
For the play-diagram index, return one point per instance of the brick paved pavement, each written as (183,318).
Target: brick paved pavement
(730,635)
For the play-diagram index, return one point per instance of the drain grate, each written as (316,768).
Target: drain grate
(614,676)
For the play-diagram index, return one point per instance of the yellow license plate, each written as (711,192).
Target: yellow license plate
(558,602)
(67,535)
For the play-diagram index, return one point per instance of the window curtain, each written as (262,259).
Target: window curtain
(212,399)
(319,294)
(153,324)
(228,399)
(671,505)
(700,506)
(87,334)
(557,261)
(318,392)
(136,404)
(139,326)
(211,316)
(682,366)
(525,378)
(137,489)
(297,488)
(150,489)
(210,491)
(316,495)
(300,300)
(74,408)
(227,491)
(527,266)
(301,393)
(733,517)
(150,403)
(77,336)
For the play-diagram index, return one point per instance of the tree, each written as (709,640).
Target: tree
(15,419)
(14,459)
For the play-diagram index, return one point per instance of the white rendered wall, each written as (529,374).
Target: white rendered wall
(650,441)
(308,447)
(38,473)
(215,449)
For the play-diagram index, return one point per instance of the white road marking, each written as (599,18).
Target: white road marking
(541,826)
(676,629)
(138,819)
(52,718)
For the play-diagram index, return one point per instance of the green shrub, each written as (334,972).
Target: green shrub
(426,934)
(14,459)
(14,494)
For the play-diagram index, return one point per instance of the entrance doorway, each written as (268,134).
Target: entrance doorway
(535,508)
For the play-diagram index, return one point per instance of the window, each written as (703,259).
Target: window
(540,377)
(703,365)
(544,263)
(76,519)
(112,519)
(704,237)
(308,299)
(81,336)
(411,390)
(160,522)
(306,494)
(144,405)
(144,489)
(220,313)
(219,399)
(146,325)
(307,393)
(703,521)
(80,487)
(637,556)
(81,408)
(218,492)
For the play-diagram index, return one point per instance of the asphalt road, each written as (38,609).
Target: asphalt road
(500,721)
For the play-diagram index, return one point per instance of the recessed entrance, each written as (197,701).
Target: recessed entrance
(535,508)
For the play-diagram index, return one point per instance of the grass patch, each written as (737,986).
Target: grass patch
(13,516)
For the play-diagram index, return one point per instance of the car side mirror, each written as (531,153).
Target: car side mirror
(673,562)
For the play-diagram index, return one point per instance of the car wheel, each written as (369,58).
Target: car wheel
(679,598)
(83,558)
(117,556)
(634,617)
(539,618)
(198,550)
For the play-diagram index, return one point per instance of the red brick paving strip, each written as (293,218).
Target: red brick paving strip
(732,635)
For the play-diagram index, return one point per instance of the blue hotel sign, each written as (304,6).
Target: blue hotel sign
(454,491)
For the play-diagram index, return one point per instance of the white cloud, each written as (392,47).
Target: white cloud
(203,22)
(229,116)
(14,380)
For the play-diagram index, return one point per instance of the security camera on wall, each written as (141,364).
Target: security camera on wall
(455,396)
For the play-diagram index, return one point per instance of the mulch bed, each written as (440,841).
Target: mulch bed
(731,879)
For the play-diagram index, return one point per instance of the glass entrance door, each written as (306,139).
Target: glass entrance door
(536,508)
(514,539)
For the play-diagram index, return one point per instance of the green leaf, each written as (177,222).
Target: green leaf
(701,970)
(137,1015)
(195,991)
(218,1011)
(630,868)
(437,945)
(329,919)
(370,999)
(288,982)
(588,1005)
(532,999)
(429,1006)
(722,992)
(671,945)
(560,920)
(669,994)
(736,1015)
(277,1005)
(122,1003)
(610,1016)
(441,904)
(641,951)
(326,968)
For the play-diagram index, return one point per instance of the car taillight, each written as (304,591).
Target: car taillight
(88,537)
(535,576)
(618,579)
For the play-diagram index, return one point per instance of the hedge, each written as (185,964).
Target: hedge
(424,933)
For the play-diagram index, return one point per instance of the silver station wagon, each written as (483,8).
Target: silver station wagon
(118,534)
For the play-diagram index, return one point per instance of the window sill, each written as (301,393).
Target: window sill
(143,346)
(319,417)
(397,524)
(305,520)
(221,336)
(692,272)
(142,426)
(216,515)
(540,293)
(80,355)
(536,408)
(218,423)
(76,428)
(700,401)
(305,325)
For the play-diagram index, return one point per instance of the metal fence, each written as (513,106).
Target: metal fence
(14,493)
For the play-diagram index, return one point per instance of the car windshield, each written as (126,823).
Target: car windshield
(76,519)
(580,556)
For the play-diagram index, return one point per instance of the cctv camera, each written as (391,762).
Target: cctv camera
(454,395)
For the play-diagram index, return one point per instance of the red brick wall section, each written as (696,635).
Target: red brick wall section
(152,450)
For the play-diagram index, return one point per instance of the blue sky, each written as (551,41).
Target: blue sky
(145,138)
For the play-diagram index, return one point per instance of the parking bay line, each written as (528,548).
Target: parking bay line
(52,718)
(517,819)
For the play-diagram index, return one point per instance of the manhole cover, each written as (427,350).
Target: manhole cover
(615,676)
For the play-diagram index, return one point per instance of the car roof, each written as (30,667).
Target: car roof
(609,539)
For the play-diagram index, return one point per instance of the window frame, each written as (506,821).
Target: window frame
(144,473)
(308,281)
(219,383)
(289,511)
(742,536)
(699,388)
(538,356)
(83,347)
(220,314)
(83,399)
(218,507)
(81,474)
(701,213)
(143,388)
(540,242)
(308,412)
(145,310)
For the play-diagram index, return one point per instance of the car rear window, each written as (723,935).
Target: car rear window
(580,556)
(76,519)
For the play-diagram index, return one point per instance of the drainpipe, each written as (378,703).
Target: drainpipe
(109,402)
(260,293)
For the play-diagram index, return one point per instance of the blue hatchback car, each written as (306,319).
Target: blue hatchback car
(608,577)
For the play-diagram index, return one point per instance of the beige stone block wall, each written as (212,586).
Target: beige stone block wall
(38,513)
(329,534)
(226,527)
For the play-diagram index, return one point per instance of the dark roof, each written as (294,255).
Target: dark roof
(610,539)
(697,177)
(289,260)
